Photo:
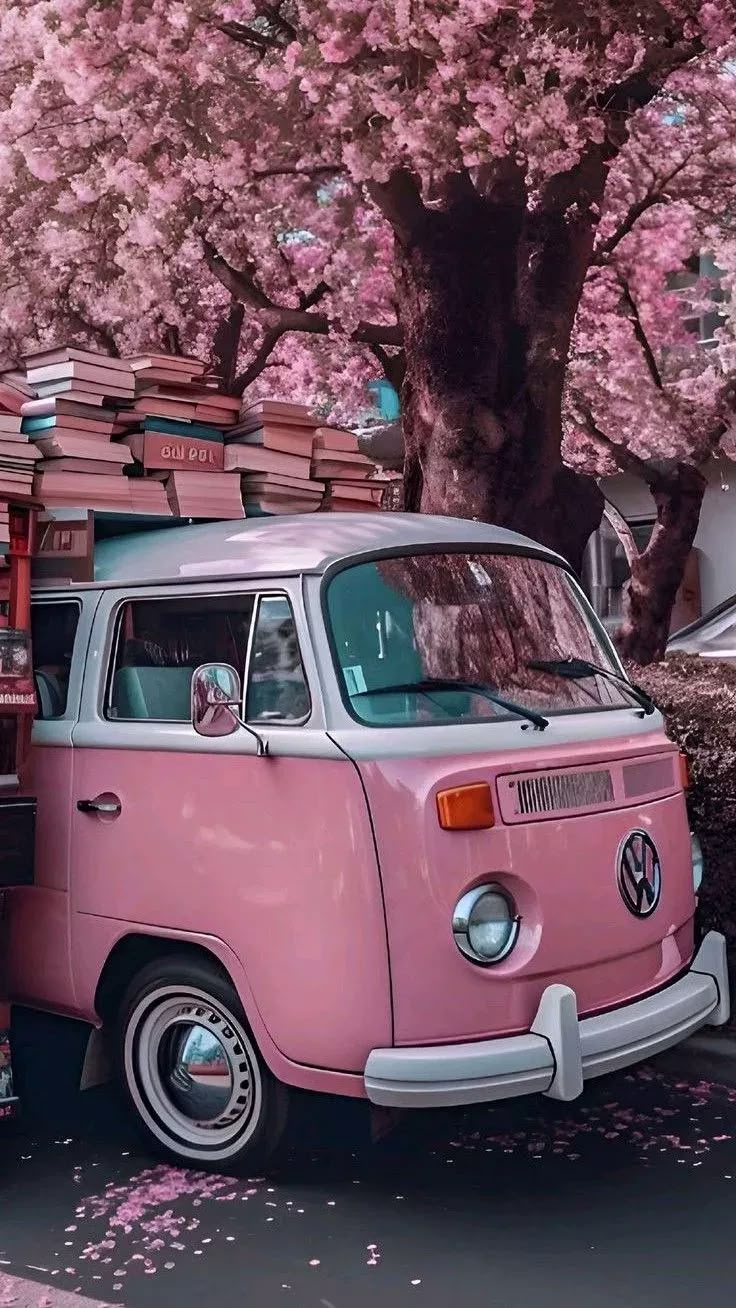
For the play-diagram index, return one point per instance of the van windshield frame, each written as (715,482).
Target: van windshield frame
(559,697)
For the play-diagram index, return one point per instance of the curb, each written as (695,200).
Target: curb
(707,1057)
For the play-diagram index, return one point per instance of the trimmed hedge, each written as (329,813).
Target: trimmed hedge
(698,699)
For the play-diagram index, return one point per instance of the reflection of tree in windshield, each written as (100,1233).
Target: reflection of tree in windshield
(484,618)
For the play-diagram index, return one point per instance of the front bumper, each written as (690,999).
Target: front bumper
(560,1052)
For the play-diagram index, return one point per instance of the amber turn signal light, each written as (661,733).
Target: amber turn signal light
(684,772)
(466,808)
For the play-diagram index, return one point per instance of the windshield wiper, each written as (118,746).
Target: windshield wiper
(578,669)
(429,684)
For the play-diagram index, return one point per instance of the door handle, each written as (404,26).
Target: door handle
(105,807)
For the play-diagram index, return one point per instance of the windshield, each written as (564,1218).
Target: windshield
(456,627)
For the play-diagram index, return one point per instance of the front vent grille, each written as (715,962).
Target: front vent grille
(559,791)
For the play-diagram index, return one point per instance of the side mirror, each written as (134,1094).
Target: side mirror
(216,696)
(216,700)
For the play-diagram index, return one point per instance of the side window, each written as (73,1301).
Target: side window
(53,630)
(277,687)
(159,643)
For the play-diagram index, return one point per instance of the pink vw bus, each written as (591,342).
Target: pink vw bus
(362,804)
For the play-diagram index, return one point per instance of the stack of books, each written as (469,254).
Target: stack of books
(213,495)
(153,435)
(271,450)
(71,420)
(18,455)
(176,387)
(175,426)
(345,471)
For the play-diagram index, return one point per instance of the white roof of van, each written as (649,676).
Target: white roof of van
(281,546)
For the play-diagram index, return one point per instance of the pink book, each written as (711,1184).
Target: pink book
(272,504)
(182,388)
(204,495)
(10,449)
(70,354)
(193,392)
(335,463)
(289,440)
(227,403)
(252,458)
(9,489)
(43,405)
(349,506)
(156,450)
(148,496)
(149,377)
(74,482)
(84,447)
(100,433)
(158,407)
(75,465)
(333,438)
(284,493)
(10,423)
(102,378)
(57,406)
(216,417)
(355,490)
(180,363)
(272,480)
(18,483)
(75,388)
(276,410)
(11,399)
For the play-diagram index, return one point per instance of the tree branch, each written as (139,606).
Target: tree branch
(655,195)
(248,36)
(400,201)
(172,339)
(297,170)
(103,337)
(393,365)
(226,344)
(257,364)
(244,286)
(640,333)
(625,459)
(241,283)
(621,99)
(307,300)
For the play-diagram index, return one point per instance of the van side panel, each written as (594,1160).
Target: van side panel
(274,857)
(37,961)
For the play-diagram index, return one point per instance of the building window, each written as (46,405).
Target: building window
(703,274)
(606,570)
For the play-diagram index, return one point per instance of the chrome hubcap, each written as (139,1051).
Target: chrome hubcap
(192,1072)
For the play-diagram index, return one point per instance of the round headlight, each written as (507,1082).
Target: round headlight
(485,924)
(698,861)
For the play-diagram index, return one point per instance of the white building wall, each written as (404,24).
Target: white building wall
(716,538)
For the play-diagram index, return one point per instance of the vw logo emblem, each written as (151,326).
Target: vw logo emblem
(639,874)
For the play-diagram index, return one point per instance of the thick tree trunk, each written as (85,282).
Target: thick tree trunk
(489,288)
(657,574)
(226,346)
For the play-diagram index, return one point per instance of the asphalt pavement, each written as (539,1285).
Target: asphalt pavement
(625,1198)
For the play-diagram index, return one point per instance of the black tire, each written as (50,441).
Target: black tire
(234,1125)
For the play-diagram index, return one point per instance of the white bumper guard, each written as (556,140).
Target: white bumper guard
(560,1052)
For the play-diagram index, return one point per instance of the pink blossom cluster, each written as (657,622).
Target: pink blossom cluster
(131,133)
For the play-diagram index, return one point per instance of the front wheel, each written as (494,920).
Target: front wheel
(192,1070)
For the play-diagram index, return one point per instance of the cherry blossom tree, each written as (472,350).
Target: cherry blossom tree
(391,173)
(644,395)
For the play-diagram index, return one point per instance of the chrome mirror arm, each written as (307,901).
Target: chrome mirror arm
(262,750)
